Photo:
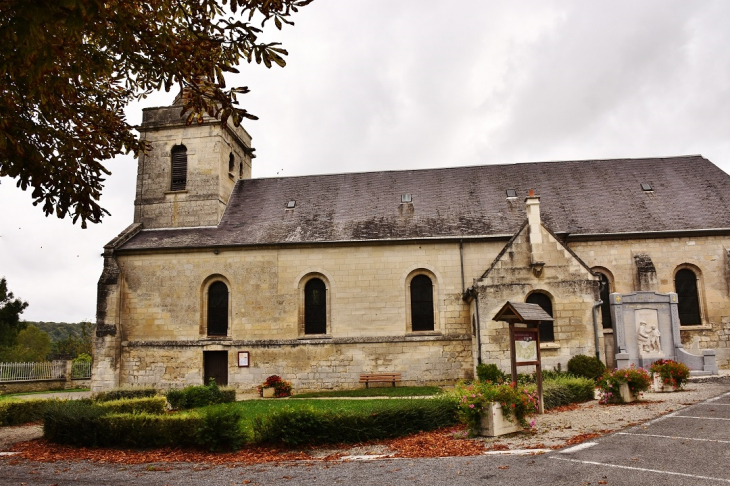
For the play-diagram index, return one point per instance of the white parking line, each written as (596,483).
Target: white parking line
(517,452)
(675,437)
(617,466)
(700,418)
(579,447)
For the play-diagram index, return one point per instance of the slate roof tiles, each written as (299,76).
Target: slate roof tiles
(578,197)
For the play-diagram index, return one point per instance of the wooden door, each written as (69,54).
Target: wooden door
(215,365)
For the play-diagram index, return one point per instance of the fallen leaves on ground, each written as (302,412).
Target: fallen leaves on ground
(438,443)
(44,451)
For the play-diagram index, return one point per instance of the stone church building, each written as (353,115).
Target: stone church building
(321,278)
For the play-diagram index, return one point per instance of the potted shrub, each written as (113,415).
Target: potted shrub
(494,409)
(668,375)
(274,387)
(623,386)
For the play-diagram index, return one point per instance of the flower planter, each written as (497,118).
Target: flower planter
(658,386)
(626,395)
(268,392)
(494,424)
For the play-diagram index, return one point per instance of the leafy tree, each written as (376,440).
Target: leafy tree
(73,345)
(32,345)
(10,310)
(68,68)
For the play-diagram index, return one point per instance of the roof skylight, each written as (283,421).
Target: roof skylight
(646,187)
(291,204)
(406,198)
(511,193)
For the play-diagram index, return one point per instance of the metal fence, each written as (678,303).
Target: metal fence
(55,370)
(80,371)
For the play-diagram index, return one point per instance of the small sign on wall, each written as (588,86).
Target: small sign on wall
(243,359)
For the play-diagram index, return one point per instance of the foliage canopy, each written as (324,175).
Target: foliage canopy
(10,310)
(70,67)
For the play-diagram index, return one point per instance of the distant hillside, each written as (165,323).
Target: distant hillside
(59,330)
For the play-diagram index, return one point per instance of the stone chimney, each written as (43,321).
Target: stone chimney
(532,208)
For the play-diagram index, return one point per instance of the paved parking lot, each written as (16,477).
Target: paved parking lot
(692,443)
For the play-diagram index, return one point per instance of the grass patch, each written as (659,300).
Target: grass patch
(383,391)
(70,390)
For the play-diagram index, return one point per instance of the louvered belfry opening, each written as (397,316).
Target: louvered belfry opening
(315,307)
(547,332)
(685,283)
(421,303)
(218,309)
(179,177)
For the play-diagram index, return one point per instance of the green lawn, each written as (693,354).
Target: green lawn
(389,391)
(11,395)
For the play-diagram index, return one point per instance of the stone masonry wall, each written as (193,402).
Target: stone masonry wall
(705,254)
(309,366)
(571,287)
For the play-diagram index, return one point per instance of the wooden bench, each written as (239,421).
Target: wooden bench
(368,378)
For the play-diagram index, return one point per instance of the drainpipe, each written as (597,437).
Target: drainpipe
(461,257)
(595,326)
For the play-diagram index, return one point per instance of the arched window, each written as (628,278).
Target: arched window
(231,162)
(179,164)
(546,327)
(315,307)
(685,284)
(218,309)
(421,303)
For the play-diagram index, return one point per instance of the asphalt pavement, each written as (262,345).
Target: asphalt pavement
(688,447)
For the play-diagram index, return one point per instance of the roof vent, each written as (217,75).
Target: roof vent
(511,193)
(646,187)
(406,198)
(291,204)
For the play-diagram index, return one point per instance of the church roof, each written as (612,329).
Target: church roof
(591,197)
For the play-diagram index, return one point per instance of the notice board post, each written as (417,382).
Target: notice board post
(525,339)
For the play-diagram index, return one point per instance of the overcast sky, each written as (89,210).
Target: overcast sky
(407,84)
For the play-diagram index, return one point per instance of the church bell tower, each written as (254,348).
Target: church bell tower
(187,176)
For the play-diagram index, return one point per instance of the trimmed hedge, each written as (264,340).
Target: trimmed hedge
(565,390)
(91,425)
(307,425)
(199,396)
(586,366)
(18,412)
(151,405)
(122,393)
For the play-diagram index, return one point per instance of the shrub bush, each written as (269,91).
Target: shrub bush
(490,372)
(151,405)
(586,366)
(18,412)
(74,422)
(91,425)
(120,393)
(199,396)
(306,425)
(565,390)
(221,428)
(671,372)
